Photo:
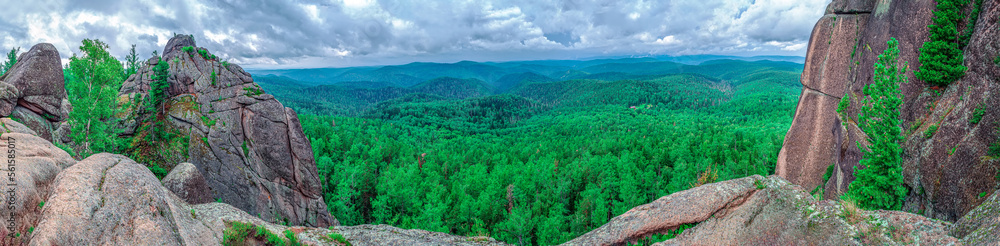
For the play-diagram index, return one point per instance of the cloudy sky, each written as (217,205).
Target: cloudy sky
(339,33)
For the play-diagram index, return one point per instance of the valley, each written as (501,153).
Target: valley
(547,159)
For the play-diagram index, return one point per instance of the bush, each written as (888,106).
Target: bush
(339,238)
(977,115)
(930,131)
(239,233)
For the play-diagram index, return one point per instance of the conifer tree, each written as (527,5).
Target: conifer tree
(880,184)
(11,60)
(131,63)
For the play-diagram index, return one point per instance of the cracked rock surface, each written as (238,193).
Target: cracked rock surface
(249,147)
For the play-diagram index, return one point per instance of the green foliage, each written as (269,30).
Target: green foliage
(845,102)
(189,50)
(41,204)
(208,56)
(292,239)
(213,77)
(93,79)
(11,60)
(207,121)
(246,151)
(158,171)
(996,61)
(240,233)
(546,162)
(970,25)
(942,57)
(339,238)
(880,184)
(253,90)
(158,87)
(664,237)
(977,114)
(930,131)
(153,143)
(828,173)
(132,63)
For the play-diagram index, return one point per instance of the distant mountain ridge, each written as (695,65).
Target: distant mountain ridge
(413,73)
(352,91)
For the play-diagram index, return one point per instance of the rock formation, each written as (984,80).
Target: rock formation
(187,182)
(33,92)
(944,173)
(249,148)
(36,164)
(771,211)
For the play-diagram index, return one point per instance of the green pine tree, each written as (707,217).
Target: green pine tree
(11,60)
(131,63)
(880,184)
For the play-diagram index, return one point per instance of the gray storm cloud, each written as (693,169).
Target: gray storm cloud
(305,33)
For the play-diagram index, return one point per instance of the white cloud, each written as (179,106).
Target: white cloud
(290,32)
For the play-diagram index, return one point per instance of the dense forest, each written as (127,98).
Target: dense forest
(551,157)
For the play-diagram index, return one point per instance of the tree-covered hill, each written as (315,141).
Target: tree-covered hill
(550,159)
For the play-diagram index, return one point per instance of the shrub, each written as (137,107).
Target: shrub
(158,171)
(238,233)
(189,50)
(213,78)
(977,114)
(339,238)
(930,131)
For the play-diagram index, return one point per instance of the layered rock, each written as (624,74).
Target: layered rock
(944,173)
(250,148)
(33,91)
(771,211)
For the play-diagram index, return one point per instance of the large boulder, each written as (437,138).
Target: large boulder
(33,91)
(249,147)
(109,199)
(29,174)
(766,211)
(38,74)
(187,183)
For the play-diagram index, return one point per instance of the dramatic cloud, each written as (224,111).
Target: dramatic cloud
(318,33)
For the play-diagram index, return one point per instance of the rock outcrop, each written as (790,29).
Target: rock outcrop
(771,211)
(36,162)
(33,91)
(946,172)
(187,182)
(250,149)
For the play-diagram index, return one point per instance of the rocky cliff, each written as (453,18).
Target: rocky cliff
(248,147)
(946,166)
